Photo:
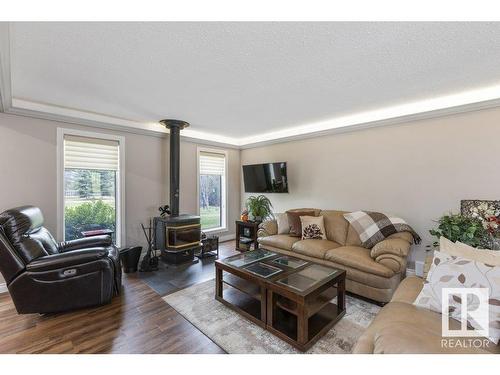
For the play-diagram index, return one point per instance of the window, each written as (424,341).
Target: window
(212,189)
(91,189)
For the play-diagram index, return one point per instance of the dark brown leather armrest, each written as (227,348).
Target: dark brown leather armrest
(73,258)
(83,243)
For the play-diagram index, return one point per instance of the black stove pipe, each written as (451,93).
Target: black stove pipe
(175,127)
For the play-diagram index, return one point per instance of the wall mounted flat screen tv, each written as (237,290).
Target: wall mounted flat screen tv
(265,178)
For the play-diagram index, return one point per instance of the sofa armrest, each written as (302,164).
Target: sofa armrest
(392,253)
(267,228)
(395,246)
(86,242)
(70,259)
(393,262)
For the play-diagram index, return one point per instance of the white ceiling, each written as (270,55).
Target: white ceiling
(241,79)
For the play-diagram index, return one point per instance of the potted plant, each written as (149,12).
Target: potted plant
(468,230)
(259,207)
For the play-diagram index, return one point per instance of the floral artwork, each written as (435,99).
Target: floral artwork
(488,212)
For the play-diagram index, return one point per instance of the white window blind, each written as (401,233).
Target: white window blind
(91,153)
(212,163)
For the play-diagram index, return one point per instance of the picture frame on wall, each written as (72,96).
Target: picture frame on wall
(479,208)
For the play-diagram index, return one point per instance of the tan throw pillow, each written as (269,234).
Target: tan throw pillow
(448,271)
(294,221)
(468,252)
(313,228)
(282,221)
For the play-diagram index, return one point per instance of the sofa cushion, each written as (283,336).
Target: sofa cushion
(398,323)
(335,225)
(294,220)
(282,241)
(352,237)
(401,327)
(403,338)
(359,258)
(282,222)
(314,248)
(408,290)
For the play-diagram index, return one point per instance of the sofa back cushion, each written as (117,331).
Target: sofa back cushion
(282,222)
(294,220)
(336,226)
(352,237)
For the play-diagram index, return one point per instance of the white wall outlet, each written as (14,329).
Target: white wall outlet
(419,268)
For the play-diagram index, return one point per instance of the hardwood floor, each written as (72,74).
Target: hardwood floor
(138,321)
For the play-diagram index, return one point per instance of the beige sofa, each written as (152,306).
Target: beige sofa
(373,273)
(402,328)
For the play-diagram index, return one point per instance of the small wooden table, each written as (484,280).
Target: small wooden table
(287,296)
(247,230)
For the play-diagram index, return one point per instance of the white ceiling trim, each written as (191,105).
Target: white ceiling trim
(471,100)
(467,101)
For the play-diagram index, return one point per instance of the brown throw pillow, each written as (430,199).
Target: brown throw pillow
(294,221)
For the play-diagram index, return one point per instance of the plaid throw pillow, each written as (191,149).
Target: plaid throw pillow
(373,227)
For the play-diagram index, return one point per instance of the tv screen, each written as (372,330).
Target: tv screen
(265,178)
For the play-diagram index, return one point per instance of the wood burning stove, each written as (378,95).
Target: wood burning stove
(177,236)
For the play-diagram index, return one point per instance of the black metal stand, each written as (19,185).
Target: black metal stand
(209,246)
(150,261)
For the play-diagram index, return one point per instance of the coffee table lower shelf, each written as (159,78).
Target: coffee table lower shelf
(285,325)
(245,297)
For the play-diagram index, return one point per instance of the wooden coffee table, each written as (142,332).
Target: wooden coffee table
(288,296)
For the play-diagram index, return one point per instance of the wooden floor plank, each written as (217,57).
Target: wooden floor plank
(137,321)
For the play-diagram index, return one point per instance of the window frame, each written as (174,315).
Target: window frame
(120,186)
(224,189)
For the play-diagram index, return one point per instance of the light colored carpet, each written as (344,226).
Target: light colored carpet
(237,335)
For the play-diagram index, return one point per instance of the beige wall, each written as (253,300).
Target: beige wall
(417,171)
(28,173)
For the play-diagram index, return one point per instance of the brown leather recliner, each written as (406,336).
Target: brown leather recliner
(43,276)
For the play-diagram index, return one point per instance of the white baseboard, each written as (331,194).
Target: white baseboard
(227,237)
(3,288)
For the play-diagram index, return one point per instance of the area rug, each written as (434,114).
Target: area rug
(237,335)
